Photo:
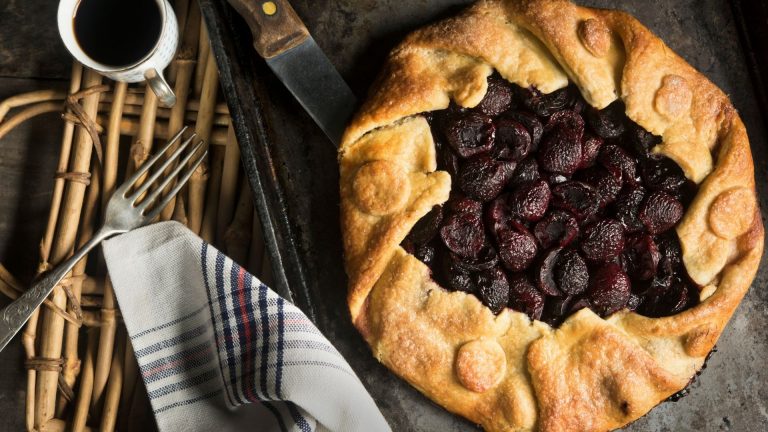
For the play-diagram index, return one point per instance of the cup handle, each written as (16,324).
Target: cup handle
(160,87)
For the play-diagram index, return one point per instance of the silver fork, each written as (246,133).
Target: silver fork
(131,206)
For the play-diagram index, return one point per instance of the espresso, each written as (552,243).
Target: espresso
(117,33)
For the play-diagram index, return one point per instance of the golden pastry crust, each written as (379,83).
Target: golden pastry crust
(506,372)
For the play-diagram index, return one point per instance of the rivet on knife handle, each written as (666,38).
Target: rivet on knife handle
(275,26)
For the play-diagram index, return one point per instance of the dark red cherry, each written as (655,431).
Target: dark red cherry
(641,257)
(579,305)
(556,179)
(462,234)
(529,201)
(486,259)
(425,253)
(590,148)
(603,240)
(608,187)
(514,136)
(686,193)
(524,297)
(461,281)
(634,301)
(498,218)
(426,228)
(527,170)
(660,283)
(565,119)
(470,133)
(448,161)
(671,255)
(493,289)
(608,122)
(560,151)
(580,199)
(609,289)
(660,212)
(579,105)
(498,215)
(627,208)
(459,203)
(531,123)
(678,298)
(498,98)
(619,163)
(482,177)
(672,301)
(517,248)
(571,274)
(547,104)
(545,273)
(640,140)
(408,245)
(661,173)
(558,228)
(453,277)
(556,309)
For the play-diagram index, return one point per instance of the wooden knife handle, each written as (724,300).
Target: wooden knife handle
(275,26)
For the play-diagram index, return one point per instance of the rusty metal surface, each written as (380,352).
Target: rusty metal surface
(356,34)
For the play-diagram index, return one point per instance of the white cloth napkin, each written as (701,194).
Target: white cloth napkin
(219,351)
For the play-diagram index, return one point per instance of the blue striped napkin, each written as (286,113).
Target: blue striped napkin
(218,350)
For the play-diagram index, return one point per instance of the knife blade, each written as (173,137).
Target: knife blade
(284,42)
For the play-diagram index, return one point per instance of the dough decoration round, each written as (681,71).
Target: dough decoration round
(732,212)
(480,365)
(380,188)
(595,36)
(673,98)
(556,334)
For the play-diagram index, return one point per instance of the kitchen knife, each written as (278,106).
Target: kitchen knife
(290,51)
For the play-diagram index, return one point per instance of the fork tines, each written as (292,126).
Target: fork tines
(153,189)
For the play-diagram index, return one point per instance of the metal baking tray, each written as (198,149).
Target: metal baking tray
(294,177)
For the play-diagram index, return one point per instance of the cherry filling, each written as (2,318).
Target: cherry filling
(555,206)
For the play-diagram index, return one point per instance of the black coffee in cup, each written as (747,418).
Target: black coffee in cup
(117,33)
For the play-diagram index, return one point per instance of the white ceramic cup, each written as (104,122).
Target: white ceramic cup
(148,68)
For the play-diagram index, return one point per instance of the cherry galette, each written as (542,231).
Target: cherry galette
(548,217)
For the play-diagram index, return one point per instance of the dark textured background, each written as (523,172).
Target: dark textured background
(730,395)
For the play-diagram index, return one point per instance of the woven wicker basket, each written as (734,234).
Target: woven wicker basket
(81,371)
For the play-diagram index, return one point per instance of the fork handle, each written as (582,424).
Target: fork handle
(15,315)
